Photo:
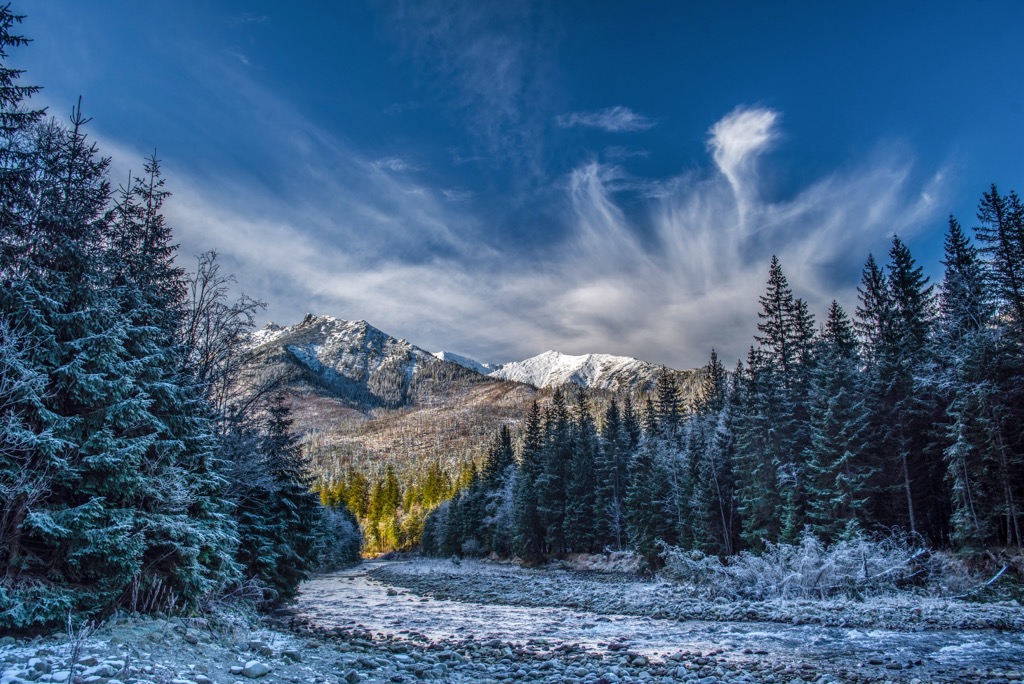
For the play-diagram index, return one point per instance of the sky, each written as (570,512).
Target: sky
(497,179)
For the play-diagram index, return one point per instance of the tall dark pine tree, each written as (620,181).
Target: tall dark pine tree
(839,474)
(63,301)
(876,331)
(528,537)
(646,504)
(712,505)
(1001,241)
(759,495)
(278,512)
(554,476)
(612,477)
(786,336)
(965,349)
(1001,237)
(914,407)
(581,515)
(667,404)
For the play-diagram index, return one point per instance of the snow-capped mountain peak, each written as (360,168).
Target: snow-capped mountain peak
(602,371)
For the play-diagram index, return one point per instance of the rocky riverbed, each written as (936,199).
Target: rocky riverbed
(353,626)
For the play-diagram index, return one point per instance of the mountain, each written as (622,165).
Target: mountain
(361,397)
(354,361)
(465,362)
(593,371)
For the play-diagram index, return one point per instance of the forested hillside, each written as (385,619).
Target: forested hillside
(130,476)
(905,416)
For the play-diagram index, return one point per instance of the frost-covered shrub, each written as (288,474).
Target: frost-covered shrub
(856,567)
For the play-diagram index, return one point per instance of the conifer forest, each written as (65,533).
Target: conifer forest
(904,416)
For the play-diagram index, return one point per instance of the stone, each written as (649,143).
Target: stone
(291,654)
(351,677)
(254,669)
(190,638)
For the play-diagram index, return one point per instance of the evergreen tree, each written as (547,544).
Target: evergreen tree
(712,505)
(912,408)
(839,476)
(668,407)
(1001,235)
(553,479)
(581,513)
(528,539)
(278,513)
(646,503)
(613,477)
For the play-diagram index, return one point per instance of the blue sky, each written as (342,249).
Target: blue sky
(502,178)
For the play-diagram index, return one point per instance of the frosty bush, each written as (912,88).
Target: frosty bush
(852,568)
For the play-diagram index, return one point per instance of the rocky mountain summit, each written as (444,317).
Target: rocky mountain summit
(592,371)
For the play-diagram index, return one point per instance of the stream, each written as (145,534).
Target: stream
(351,597)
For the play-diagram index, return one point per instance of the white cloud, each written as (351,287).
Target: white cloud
(457,195)
(394,164)
(614,120)
(737,140)
(664,279)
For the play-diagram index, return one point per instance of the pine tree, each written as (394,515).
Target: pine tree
(839,476)
(646,503)
(553,479)
(613,477)
(758,492)
(1001,235)
(528,541)
(581,513)
(712,505)
(913,407)
(278,513)
(1001,241)
(668,407)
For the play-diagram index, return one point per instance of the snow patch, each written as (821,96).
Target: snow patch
(466,362)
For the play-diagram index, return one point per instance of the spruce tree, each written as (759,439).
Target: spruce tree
(553,479)
(528,540)
(839,475)
(581,513)
(612,477)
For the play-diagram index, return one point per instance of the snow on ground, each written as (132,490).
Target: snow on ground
(606,593)
(478,602)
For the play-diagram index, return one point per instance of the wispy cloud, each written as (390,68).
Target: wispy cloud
(684,276)
(620,153)
(488,64)
(457,195)
(662,269)
(247,18)
(240,56)
(614,120)
(393,164)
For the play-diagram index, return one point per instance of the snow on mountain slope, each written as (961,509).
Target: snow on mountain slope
(352,359)
(600,371)
(466,362)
